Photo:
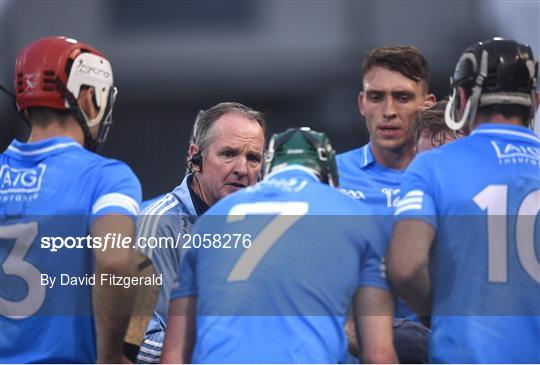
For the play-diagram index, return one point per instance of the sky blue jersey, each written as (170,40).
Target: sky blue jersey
(364,179)
(148,203)
(276,285)
(53,188)
(171,216)
(482,195)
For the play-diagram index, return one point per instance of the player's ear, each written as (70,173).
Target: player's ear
(361,100)
(86,102)
(193,149)
(429,101)
(462,97)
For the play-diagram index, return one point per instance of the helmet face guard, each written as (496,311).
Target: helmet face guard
(304,147)
(106,121)
(50,73)
(495,72)
(452,108)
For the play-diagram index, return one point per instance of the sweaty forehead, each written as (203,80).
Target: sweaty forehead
(383,79)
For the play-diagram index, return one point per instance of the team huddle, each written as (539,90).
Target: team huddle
(420,246)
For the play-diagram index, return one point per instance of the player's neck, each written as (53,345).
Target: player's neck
(497,119)
(54,129)
(397,159)
(197,190)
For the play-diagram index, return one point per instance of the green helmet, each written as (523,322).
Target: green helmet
(305,147)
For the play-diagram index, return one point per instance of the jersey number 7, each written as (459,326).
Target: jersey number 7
(288,213)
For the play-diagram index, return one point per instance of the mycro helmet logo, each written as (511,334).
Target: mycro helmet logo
(92,70)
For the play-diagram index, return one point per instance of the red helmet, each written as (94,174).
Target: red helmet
(50,72)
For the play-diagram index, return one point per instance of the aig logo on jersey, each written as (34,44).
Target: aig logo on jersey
(20,180)
(509,153)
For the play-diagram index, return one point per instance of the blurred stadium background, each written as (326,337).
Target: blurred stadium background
(298,61)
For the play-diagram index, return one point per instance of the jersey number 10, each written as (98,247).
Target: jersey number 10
(494,199)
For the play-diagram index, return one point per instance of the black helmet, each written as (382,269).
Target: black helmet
(498,71)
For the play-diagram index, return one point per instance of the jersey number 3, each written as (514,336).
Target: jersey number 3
(23,234)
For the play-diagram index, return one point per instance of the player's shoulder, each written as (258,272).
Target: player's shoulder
(351,165)
(445,155)
(164,215)
(147,203)
(112,182)
(342,203)
(110,170)
(90,161)
(349,156)
(167,203)
(108,164)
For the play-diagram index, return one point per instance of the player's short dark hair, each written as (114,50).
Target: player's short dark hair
(432,122)
(406,60)
(203,135)
(43,116)
(508,111)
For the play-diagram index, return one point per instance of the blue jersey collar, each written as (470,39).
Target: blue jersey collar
(40,149)
(293,171)
(505,130)
(366,156)
(367,160)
